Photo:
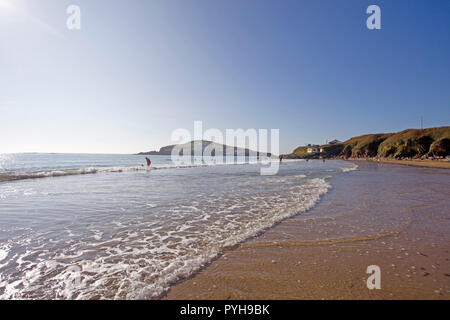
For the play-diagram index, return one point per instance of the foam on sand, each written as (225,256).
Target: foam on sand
(142,262)
(3,254)
(355,167)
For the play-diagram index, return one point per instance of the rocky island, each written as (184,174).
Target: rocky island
(207,145)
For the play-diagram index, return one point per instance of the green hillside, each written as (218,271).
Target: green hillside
(417,143)
(412,143)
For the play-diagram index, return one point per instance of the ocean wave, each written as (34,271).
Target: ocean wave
(44,174)
(3,254)
(355,167)
(13,176)
(143,262)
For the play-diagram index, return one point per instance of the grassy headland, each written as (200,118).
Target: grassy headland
(411,144)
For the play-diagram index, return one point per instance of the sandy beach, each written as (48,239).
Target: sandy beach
(395,217)
(443,164)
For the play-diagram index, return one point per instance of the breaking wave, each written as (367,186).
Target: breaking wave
(355,167)
(143,262)
(13,176)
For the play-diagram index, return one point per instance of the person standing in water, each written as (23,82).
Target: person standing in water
(149,162)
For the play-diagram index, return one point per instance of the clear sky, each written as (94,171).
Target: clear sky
(137,70)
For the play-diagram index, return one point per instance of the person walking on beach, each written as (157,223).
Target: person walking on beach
(149,162)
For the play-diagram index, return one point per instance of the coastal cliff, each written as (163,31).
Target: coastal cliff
(411,143)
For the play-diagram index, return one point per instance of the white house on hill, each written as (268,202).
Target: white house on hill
(313,150)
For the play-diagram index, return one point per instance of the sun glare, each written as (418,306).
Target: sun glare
(5,4)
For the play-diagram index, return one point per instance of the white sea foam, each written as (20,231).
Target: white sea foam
(133,238)
(355,167)
(3,254)
(45,174)
(144,262)
(12,176)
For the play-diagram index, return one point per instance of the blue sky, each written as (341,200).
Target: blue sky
(137,70)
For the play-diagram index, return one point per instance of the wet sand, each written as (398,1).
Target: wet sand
(444,164)
(393,216)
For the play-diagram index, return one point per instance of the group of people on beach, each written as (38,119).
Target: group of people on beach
(307,160)
(149,162)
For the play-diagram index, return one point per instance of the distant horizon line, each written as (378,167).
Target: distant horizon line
(136,153)
(37,152)
(89,153)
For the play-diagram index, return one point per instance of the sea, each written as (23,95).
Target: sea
(98,226)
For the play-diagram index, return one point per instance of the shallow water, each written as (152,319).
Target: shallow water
(128,234)
(392,216)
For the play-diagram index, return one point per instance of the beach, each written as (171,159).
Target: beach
(88,226)
(443,164)
(104,227)
(396,217)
